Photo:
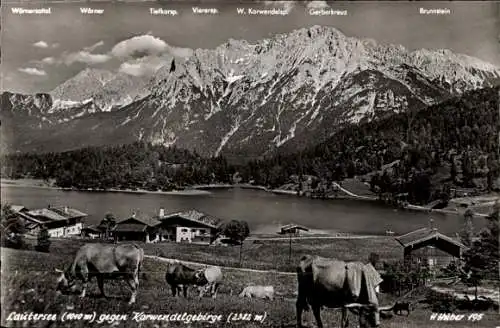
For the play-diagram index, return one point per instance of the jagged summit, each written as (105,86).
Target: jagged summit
(289,90)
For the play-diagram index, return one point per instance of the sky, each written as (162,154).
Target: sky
(40,52)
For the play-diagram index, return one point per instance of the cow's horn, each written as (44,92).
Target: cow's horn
(386,308)
(59,270)
(353,305)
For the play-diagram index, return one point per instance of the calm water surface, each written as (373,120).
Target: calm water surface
(262,210)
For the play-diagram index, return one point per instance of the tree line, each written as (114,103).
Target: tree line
(134,166)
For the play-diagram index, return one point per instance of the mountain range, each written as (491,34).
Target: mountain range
(241,99)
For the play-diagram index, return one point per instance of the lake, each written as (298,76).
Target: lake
(263,211)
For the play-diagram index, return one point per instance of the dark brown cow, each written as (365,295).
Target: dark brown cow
(329,283)
(181,276)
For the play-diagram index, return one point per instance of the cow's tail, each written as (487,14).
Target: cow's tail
(141,261)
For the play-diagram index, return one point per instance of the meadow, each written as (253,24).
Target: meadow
(28,282)
(263,254)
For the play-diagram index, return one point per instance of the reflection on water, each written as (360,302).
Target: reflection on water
(263,211)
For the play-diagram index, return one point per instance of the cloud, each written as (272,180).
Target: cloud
(140,55)
(41,44)
(48,60)
(180,52)
(317,5)
(142,66)
(32,71)
(86,57)
(288,5)
(94,46)
(139,46)
(55,45)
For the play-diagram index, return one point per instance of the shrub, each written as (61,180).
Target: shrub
(441,303)
(43,244)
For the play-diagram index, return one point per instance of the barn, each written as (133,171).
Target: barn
(431,248)
(137,227)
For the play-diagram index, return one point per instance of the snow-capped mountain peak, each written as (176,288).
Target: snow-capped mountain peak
(288,90)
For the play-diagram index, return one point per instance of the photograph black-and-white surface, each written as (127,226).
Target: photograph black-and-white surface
(250,164)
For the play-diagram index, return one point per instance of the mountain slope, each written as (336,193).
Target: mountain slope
(104,88)
(454,143)
(247,100)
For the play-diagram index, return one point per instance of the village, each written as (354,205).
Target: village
(185,236)
(426,247)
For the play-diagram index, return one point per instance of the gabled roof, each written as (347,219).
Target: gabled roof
(92,228)
(68,212)
(128,227)
(194,216)
(425,234)
(46,213)
(144,220)
(30,218)
(17,208)
(294,226)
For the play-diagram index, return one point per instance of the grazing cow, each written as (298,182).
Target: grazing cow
(104,262)
(337,284)
(181,276)
(258,292)
(212,280)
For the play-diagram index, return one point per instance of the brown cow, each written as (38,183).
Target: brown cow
(104,261)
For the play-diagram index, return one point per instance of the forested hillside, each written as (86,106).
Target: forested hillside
(138,165)
(420,153)
(455,143)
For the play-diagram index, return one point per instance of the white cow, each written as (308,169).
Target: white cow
(258,292)
(213,278)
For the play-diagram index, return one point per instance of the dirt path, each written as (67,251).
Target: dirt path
(460,294)
(170,260)
(352,194)
(314,237)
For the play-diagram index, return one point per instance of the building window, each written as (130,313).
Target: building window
(193,230)
(203,231)
(184,230)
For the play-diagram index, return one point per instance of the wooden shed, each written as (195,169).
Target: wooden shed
(138,228)
(431,248)
(292,228)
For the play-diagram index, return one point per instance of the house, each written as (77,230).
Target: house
(60,221)
(431,248)
(93,231)
(292,228)
(137,227)
(188,226)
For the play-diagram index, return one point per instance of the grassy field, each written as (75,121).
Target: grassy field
(28,281)
(274,255)
(28,285)
(264,254)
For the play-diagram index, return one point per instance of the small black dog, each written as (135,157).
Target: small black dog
(401,306)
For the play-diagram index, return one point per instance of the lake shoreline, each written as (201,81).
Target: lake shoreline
(42,185)
(199,190)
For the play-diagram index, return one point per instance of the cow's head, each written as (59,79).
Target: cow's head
(369,315)
(199,277)
(65,281)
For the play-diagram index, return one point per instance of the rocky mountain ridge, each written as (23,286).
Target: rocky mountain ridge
(246,100)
